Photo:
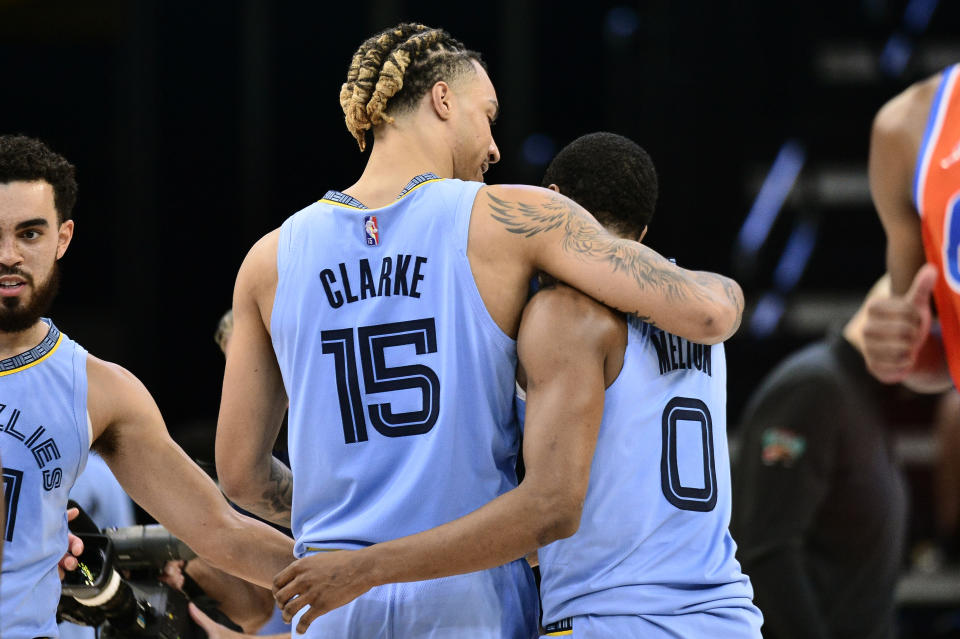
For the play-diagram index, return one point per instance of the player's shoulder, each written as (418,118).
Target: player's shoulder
(105,375)
(265,248)
(906,113)
(509,202)
(112,393)
(560,309)
(513,192)
(259,267)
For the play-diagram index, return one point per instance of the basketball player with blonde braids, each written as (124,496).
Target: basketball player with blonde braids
(387,315)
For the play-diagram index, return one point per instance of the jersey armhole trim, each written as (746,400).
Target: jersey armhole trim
(284,256)
(938,111)
(81,409)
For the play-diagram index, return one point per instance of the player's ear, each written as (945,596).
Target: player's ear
(554,187)
(440,100)
(64,235)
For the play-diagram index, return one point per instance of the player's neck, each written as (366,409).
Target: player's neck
(15,343)
(394,160)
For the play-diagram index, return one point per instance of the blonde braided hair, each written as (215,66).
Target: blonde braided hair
(393,69)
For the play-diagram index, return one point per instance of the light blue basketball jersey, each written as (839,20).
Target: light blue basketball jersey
(44,440)
(653,536)
(102,497)
(400,383)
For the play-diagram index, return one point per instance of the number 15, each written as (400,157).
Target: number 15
(373,341)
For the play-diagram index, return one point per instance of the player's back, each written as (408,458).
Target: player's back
(44,440)
(400,383)
(937,198)
(653,537)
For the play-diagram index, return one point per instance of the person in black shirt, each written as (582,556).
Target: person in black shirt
(819,507)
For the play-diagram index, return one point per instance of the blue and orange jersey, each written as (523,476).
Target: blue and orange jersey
(937,198)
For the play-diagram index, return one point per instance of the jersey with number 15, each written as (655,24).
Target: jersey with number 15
(400,383)
(937,197)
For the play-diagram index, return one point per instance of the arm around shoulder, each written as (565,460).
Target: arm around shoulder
(561,238)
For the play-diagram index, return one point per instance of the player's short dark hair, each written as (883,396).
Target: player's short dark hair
(609,175)
(393,69)
(28,159)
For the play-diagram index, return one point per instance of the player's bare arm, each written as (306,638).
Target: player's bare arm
(565,345)
(563,239)
(129,433)
(254,400)
(216,631)
(247,605)
(898,346)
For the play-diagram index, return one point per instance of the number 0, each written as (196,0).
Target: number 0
(698,499)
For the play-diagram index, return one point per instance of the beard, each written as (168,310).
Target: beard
(17,316)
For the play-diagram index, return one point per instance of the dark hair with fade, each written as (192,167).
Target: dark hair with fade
(609,175)
(393,69)
(25,159)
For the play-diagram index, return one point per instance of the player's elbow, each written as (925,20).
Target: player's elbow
(253,609)
(235,484)
(722,320)
(560,510)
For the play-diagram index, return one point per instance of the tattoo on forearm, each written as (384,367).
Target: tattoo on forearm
(277,497)
(583,236)
(735,296)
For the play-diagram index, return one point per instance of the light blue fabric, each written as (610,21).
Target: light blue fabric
(43,444)
(478,605)
(400,383)
(725,623)
(653,537)
(276,625)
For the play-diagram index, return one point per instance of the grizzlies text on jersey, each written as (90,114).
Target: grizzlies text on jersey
(44,440)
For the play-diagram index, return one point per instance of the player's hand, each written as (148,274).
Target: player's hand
(323,581)
(897,327)
(74,548)
(211,627)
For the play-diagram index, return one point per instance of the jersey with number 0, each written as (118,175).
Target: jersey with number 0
(653,536)
(937,197)
(43,446)
(400,383)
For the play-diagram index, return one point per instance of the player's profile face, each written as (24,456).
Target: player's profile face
(31,241)
(475,149)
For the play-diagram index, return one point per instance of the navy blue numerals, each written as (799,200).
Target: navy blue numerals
(372,344)
(12,480)
(702,497)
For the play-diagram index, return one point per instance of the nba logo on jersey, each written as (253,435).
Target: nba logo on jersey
(370,230)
